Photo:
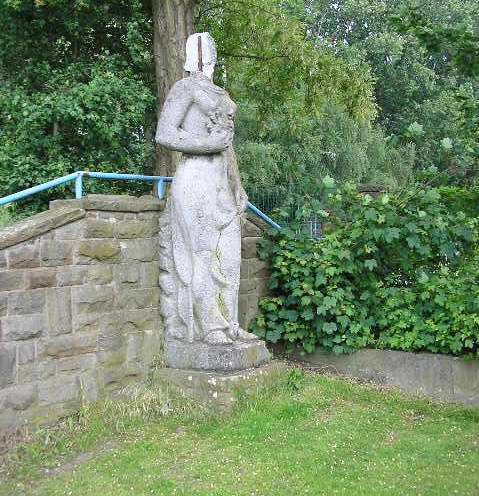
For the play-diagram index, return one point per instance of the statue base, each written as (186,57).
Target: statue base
(238,356)
(218,390)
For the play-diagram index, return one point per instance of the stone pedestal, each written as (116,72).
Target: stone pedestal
(219,390)
(219,358)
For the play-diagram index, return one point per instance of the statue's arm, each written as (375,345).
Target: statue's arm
(170,134)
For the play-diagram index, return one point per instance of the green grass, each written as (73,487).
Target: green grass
(308,435)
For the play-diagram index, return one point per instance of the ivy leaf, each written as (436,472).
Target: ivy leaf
(371,264)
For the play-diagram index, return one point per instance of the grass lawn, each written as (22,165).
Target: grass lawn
(310,434)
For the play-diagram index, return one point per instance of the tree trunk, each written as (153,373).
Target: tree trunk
(173,23)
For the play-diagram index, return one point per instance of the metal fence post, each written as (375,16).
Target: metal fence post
(79,186)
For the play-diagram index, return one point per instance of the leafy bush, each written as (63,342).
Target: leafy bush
(398,272)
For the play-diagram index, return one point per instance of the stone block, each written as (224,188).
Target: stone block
(7,364)
(221,358)
(137,298)
(92,299)
(55,253)
(141,250)
(259,269)
(37,225)
(21,397)
(60,389)
(149,274)
(59,311)
(99,228)
(70,232)
(41,278)
(142,320)
(153,346)
(27,255)
(86,322)
(76,275)
(3,259)
(68,345)
(219,390)
(89,390)
(247,286)
(25,352)
(16,328)
(127,274)
(248,248)
(95,250)
(11,280)
(76,363)
(26,302)
(3,304)
(133,229)
(249,229)
(36,371)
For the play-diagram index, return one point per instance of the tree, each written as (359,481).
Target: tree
(173,23)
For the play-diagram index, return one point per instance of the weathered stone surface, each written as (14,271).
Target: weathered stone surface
(26,302)
(92,299)
(7,364)
(127,274)
(98,228)
(137,298)
(249,229)
(91,251)
(72,231)
(133,229)
(12,279)
(59,389)
(440,377)
(55,252)
(219,389)
(37,225)
(3,304)
(112,203)
(15,328)
(149,274)
(68,345)
(76,275)
(26,255)
(59,311)
(41,278)
(224,358)
(21,397)
(248,248)
(76,363)
(141,250)
(3,259)
(25,352)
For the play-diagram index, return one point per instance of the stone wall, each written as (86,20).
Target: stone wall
(254,272)
(79,304)
(440,377)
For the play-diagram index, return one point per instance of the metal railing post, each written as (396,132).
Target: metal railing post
(160,189)
(79,186)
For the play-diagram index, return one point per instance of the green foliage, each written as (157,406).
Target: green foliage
(398,271)
(77,90)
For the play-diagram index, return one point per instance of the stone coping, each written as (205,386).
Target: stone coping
(112,203)
(38,224)
(439,377)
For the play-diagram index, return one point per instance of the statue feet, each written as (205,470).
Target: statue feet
(238,334)
(217,337)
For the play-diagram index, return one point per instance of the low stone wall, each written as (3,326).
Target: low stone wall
(440,377)
(79,304)
(254,272)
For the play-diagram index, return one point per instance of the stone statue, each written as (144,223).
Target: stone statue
(200,236)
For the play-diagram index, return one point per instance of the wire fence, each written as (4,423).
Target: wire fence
(271,200)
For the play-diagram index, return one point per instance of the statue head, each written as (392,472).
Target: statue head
(201,54)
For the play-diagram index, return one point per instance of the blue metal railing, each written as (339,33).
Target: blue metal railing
(77,177)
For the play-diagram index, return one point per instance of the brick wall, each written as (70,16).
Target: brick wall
(79,304)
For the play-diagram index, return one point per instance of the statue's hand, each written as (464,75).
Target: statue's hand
(221,131)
